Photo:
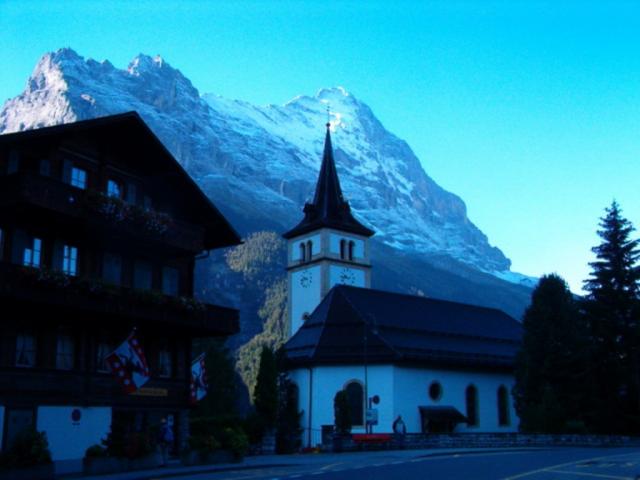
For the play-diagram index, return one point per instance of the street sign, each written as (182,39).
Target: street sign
(372,416)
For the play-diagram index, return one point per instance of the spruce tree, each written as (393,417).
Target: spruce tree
(611,308)
(266,393)
(551,366)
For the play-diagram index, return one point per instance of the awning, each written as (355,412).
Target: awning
(443,414)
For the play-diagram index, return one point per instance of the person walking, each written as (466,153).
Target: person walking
(165,440)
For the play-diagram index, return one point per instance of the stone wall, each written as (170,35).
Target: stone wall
(496,440)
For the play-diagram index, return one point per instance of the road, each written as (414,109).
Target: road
(539,464)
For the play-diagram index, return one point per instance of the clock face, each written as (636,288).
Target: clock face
(347,277)
(306,279)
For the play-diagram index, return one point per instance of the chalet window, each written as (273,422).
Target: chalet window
(112,268)
(70,260)
(78,177)
(142,275)
(14,162)
(471,399)
(343,249)
(303,252)
(32,252)
(103,350)
(355,395)
(352,245)
(435,391)
(503,406)
(45,167)
(114,189)
(165,361)
(65,352)
(170,278)
(25,349)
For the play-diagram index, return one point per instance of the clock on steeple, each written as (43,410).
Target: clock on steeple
(328,247)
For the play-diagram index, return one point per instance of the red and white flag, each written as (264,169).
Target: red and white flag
(198,380)
(128,364)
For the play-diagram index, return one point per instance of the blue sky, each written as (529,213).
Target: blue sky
(530,111)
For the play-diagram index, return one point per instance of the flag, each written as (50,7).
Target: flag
(128,364)
(198,380)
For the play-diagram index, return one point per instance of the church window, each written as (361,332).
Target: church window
(309,249)
(471,398)
(503,406)
(343,249)
(352,245)
(355,395)
(435,391)
(303,252)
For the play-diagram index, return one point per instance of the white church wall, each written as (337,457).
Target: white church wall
(334,244)
(412,391)
(327,381)
(70,435)
(295,246)
(305,291)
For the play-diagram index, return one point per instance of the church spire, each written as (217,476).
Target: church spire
(329,209)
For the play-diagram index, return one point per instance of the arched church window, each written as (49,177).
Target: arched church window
(355,394)
(303,252)
(503,406)
(352,245)
(471,398)
(435,391)
(309,249)
(343,249)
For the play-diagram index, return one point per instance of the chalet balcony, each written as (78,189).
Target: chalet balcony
(47,294)
(98,212)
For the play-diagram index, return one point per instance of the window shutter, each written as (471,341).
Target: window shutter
(19,242)
(131,193)
(66,171)
(57,255)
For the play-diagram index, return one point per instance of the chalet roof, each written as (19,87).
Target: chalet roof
(129,137)
(329,208)
(403,329)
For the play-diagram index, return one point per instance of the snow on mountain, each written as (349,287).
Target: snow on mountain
(263,160)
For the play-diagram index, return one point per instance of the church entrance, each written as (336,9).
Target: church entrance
(440,419)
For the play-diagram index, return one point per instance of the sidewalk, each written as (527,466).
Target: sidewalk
(274,461)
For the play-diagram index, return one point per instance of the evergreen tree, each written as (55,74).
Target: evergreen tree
(611,308)
(342,413)
(220,402)
(551,366)
(265,396)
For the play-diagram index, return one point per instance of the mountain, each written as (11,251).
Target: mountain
(259,165)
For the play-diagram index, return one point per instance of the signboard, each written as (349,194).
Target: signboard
(151,392)
(372,416)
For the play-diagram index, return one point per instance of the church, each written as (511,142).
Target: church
(443,366)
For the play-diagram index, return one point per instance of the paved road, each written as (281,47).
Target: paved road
(542,464)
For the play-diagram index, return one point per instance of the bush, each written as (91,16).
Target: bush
(29,448)
(95,451)
(235,440)
(227,431)
(204,444)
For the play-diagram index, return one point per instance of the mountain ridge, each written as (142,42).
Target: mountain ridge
(259,163)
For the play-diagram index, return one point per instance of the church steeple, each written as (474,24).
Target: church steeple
(329,208)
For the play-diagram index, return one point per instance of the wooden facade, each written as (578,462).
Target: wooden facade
(100,230)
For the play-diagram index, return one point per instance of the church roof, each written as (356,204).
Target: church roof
(329,208)
(403,329)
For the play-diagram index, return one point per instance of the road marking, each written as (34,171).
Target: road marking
(551,468)
(585,474)
(327,467)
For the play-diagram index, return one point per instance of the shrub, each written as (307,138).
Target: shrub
(204,444)
(28,449)
(95,451)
